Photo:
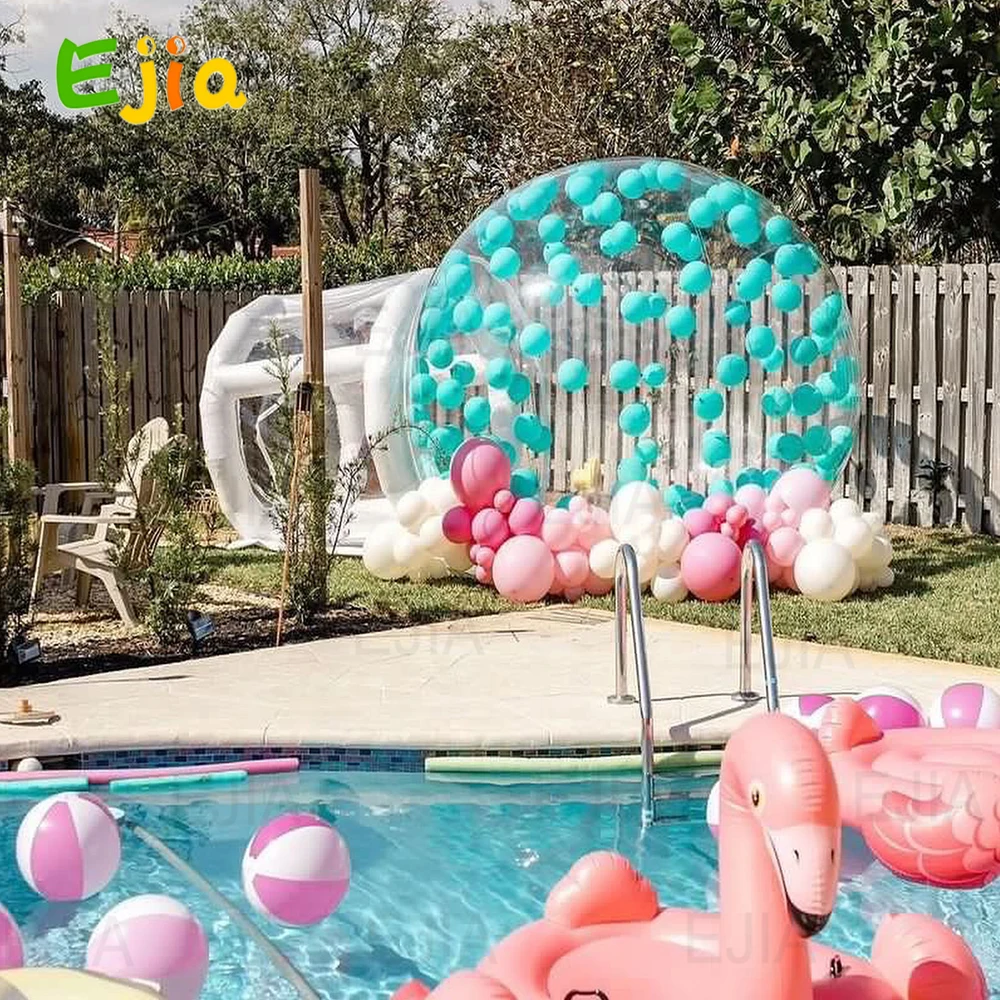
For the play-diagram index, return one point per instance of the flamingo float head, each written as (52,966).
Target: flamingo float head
(776,776)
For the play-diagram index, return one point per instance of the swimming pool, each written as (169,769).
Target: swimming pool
(442,869)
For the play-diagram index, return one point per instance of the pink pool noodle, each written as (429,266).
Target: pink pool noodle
(278,765)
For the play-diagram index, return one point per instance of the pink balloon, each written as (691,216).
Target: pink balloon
(489,527)
(526,517)
(483,575)
(771,520)
(710,567)
(699,521)
(598,586)
(504,501)
(803,488)
(753,497)
(558,588)
(558,530)
(573,594)
(728,531)
(523,569)
(573,567)
(790,518)
(774,503)
(783,546)
(474,552)
(592,526)
(737,515)
(578,504)
(484,556)
(457,525)
(479,469)
(717,504)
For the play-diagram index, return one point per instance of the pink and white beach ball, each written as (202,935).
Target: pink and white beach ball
(11,945)
(152,939)
(806,708)
(967,706)
(296,869)
(892,708)
(712,809)
(68,847)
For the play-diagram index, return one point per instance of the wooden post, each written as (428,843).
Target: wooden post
(312,306)
(19,427)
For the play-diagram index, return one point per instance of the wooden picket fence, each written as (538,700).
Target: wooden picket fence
(929,350)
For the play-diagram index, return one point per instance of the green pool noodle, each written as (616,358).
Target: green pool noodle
(42,787)
(169,782)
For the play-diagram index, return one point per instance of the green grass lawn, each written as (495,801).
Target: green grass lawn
(944,604)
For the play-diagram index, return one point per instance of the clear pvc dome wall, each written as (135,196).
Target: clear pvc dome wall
(680,302)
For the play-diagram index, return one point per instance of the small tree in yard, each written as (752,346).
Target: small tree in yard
(17,550)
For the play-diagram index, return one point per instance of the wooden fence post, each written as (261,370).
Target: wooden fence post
(19,410)
(312,307)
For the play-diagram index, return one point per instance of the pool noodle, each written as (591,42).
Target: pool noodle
(44,786)
(277,765)
(172,781)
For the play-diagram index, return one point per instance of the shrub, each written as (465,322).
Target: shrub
(17,551)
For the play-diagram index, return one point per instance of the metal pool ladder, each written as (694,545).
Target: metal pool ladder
(628,610)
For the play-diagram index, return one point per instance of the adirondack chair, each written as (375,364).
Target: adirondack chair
(115,541)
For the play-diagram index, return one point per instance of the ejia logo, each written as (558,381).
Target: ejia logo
(69,77)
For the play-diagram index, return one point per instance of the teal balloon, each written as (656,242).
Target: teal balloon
(648,450)
(551,228)
(505,263)
(450,394)
(606,209)
(624,375)
(536,199)
(709,405)
(776,402)
(786,296)
(671,176)
(654,375)
(681,322)
(564,501)
(535,340)
(649,171)
(829,387)
(509,450)
(499,372)
(759,270)
(477,414)
(732,370)
(722,486)
(619,240)
(779,230)
(842,437)
(564,268)
(555,293)
(631,183)
(675,237)
(657,305)
(850,401)
(803,351)
(573,375)
(519,388)
(463,373)
(632,470)
(634,419)
(542,442)
(447,438)
(437,295)
(503,334)
(715,449)
(468,315)
(553,250)
(496,314)
(824,345)
(423,389)
(806,400)
(673,496)
(817,440)
(582,187)
(774,361)
(726,194)
(526,427)
(824,318)
(737,314)
(588,289)
(433,322)
(785,447)
(690,500)
(499,231)
(440,353)
(635,307)
(744,225)
(524,483)
(796,260)
(771,476)
(696,278)
(759,342)
(750,476)
(458,280)
(694,249)
(422,434)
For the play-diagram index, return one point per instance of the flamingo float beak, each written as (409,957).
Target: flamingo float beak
(807,857)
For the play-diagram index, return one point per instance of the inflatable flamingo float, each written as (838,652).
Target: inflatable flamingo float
(605,937)
(927,801)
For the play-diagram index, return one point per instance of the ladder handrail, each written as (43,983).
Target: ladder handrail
(628,605)
(753,570)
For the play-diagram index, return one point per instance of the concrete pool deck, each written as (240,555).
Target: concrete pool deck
(528,680)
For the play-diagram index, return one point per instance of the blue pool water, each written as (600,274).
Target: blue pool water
(441,870)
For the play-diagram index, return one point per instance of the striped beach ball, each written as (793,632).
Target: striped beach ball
(712,809)
(892,708)
(68,847)
(154,940)
(967,706)
(296,869)
(808,709)
(11,945)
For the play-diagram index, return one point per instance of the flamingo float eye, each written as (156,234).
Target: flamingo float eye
(756,795)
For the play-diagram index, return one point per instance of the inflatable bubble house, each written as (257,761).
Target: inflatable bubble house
(659,318)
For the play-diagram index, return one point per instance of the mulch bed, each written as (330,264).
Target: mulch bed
(79,643)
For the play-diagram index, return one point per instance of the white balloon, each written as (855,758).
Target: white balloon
(854,534)
(878,557)
(29,764)
(635,510)
(673,540)
(406,550)
(876,523)
(439,494)
(411,509)
(886,577)
(668,585)
(648,560)
(432,535)
(816,523)
(377,554)
(824,570)
(844,508)
(456,556)
(602,558)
